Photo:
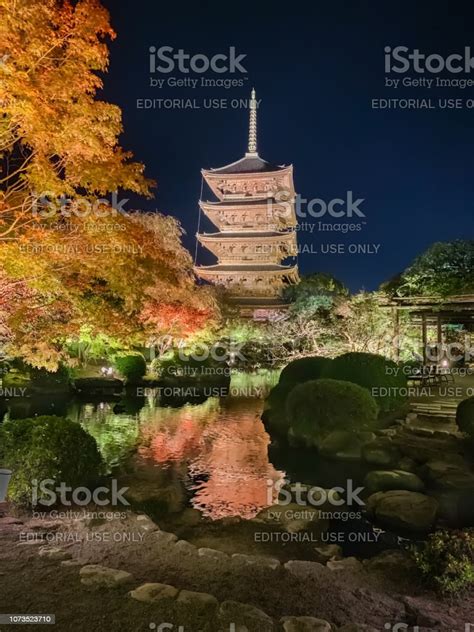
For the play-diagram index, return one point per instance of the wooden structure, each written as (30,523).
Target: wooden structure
(255,219)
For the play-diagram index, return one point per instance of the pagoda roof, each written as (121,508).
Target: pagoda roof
(250,163)
(231,203)
(245,235)
(267,267)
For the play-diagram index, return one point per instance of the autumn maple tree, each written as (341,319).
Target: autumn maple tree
(121,273)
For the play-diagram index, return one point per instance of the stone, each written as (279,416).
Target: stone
(154,593)
(70,563)
(244,614)
(428,614)
(390,561)
(406,464)
(103,577)
(449,475)
(329,551)
(164,538)
(382,452)
(305,624)
(54,553)
(400,509)
(185,547)
(213,554)
(147,523)
(347,564)
(256,560)
(198,603)
(384,480)
(304,569)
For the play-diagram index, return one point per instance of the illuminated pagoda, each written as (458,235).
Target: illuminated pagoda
(255,217)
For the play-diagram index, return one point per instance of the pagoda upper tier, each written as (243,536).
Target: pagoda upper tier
(255,218)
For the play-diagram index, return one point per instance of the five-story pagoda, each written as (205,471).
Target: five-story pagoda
(255,217)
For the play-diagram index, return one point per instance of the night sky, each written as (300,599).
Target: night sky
(317,67)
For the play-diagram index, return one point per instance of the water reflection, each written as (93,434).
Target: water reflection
(224,449)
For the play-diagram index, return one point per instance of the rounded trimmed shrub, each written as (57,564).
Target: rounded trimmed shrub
(316,408)
(372,372)
(465,416)
(131,365)
(47,447)
(304,369)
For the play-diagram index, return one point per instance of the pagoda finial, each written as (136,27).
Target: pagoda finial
(253,124)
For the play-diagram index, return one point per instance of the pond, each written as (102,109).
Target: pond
(206,471)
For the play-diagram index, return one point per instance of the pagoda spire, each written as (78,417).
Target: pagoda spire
(252,148)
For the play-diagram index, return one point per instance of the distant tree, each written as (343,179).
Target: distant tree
(446,268)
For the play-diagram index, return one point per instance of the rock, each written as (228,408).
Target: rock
(304,569)
(406,464)
(197,603)
(213,554)
(8,521)
(54,553)
(428,614)
(185,547)
(405,510)
(69,563)
(244,614)
(103,577)
(449,475)
(256,560)
(384,480)
(154,593)
(347,564)
(329,551)
(381,451)
(305,624)
(391,561)
(147,523)
(165,538)
(345,445)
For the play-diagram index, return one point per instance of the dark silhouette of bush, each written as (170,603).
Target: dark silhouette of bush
(465,416)
(131,365)
(384,380)
(304,369)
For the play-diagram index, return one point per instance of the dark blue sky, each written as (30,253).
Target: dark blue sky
(316,66)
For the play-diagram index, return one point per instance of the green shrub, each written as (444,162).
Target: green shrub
(445,561)
(131,365)
(316,408)
(47,448)
(304,369)
(373,372)
(465,416)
